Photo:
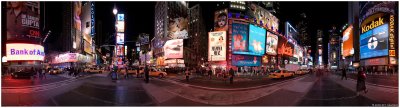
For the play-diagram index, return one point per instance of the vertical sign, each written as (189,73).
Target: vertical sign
(92,16)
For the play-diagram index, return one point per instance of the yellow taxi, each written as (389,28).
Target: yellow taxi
(281,74)
(301,71)
(157,73)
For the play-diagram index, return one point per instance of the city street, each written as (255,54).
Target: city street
(192,53)
(100,90)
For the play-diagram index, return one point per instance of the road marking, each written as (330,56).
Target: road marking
(330,99)
(54,101)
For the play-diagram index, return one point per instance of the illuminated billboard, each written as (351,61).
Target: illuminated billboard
(244,60)
(256,40)
(374,42)
(221,20)
(271,44)
(120,38)
(347,48)
(120,50)
(217,46)
(23,20)
(284,47)
(374,37)
(120,17)
(173,49)
(120,26)
(20,51)
(262,17)
(239,38)
(178,28)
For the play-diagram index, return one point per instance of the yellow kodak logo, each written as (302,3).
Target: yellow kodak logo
(372,25)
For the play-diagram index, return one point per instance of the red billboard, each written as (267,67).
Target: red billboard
(284,47)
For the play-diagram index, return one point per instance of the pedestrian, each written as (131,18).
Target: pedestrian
(44,73)
(344,73)
(126,73)
(209,73)
(361,77)
(231,75)
(187,73)
(146,74)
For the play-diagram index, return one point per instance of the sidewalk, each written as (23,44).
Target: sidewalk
(165,90)
(7,81)
(380,94)
(388,81)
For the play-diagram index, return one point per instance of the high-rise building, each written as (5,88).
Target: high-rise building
(334,48)
(198,34)
(319,54)
(302,34)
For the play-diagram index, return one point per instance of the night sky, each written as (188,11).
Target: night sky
(140,17)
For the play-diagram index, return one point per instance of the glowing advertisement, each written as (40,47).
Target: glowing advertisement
(374,37)
(173,49)
(239,38)
(221,20)
(217,46)
(120,50)
(120,17)
(244,60)
(257,40)
(284,47)
(23,20)
(178,28)
(19,51)
(262,17)
(271,44)
(347,48)
(120,26)
(120,38)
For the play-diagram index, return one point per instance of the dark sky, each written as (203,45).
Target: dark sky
(140,16)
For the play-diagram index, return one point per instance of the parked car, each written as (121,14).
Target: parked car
(22,74)
(281,74)
(302,71)
(55,71)
(93,70)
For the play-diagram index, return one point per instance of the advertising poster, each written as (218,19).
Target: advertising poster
(221,20)
(290,31)
(262,17)
(217,46)
(23,20)
(18,51)
(271,44)
(87,47)
(374,36)
(347,48)
(120,38)
(173,49)
(244,60)
(374,42)
(121,17)
(372,7)
(120,50)
(284,47)
(257,40)
(120,26)
(178,28)
(239,38)
(77,15)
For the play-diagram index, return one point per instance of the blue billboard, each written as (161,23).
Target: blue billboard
(244,60)
(257,40)
(374,43)
(240,38)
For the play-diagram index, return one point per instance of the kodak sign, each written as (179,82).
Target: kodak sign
(372,25)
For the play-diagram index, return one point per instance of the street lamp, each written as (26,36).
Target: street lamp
(115,11)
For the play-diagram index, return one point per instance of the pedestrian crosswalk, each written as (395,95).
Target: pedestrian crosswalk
(65,75)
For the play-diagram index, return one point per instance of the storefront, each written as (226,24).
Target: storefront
(23,56)
(71,60)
